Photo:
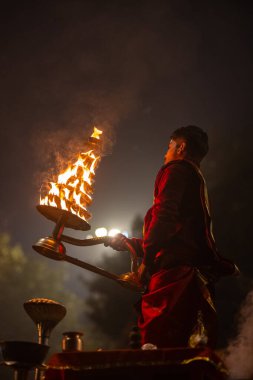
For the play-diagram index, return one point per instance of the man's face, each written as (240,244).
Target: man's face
(176,151)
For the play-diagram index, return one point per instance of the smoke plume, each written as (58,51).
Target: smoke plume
(240,351)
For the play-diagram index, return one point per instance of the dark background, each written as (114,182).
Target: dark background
(138,70)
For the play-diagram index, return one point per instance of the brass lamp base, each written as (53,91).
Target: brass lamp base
(70,220)
(50,247)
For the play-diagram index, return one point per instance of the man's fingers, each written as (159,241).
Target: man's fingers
(117,242)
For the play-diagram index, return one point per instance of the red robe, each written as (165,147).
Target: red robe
(179,250)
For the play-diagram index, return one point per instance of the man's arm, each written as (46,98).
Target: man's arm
(165,219)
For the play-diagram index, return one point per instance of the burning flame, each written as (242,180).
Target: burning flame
(73,189)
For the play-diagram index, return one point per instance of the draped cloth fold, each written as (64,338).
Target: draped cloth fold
(170,307)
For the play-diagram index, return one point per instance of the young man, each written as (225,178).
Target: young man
(178,250)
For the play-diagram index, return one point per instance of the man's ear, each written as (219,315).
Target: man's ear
(182,147)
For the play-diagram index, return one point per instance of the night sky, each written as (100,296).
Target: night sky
(136,69)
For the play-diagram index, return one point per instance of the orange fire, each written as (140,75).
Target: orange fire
(73,189)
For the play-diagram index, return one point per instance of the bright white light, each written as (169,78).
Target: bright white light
(113,232)
(89,237)
(102,231)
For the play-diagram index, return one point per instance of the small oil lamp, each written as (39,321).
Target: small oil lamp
(46,314)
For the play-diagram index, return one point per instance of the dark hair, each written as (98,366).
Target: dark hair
(196,141)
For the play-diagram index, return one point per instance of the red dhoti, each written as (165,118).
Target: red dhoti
(170,308)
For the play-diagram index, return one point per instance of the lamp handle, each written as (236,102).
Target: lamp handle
(102,240)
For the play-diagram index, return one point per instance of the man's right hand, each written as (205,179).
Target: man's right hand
(117,242)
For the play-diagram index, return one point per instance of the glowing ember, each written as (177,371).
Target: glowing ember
(73,189)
